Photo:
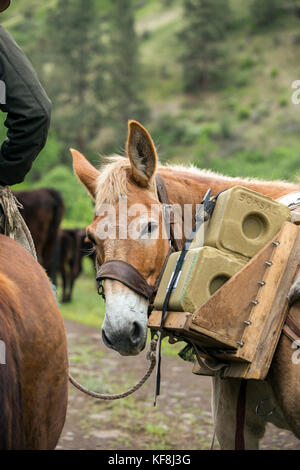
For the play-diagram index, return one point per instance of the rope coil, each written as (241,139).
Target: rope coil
(151,356)
(14,224)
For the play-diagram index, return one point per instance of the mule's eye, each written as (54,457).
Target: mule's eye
(150,227)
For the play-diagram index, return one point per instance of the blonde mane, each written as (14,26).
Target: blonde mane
(113,180)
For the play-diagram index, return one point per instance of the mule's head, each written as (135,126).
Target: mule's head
(127,226)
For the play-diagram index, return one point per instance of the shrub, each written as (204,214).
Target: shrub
(225,128)
(241,79)
(247,62)
(279,163)
(243,113)
(274,72)
(283,101)
(231,104)
(265,12)
(168,131)
(191,134)
(205,147)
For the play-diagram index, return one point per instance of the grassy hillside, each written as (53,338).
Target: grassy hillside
(247,126)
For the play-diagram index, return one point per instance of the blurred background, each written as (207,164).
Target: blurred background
(211,79)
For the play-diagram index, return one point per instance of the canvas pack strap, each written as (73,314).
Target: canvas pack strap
(204,213)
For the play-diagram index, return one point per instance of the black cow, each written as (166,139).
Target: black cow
(43,210)
(73,246)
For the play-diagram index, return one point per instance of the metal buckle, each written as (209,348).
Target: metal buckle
(166,209)
(100,290)
(263,413)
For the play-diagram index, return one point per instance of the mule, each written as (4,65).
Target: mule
(34,360)
(125,325)
(43,210)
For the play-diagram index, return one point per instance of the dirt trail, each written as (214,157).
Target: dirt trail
(182,419)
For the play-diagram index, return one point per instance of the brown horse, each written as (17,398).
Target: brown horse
(34,369)
(125,324)
(43,210)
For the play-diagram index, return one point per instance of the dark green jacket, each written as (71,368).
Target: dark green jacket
(28,112)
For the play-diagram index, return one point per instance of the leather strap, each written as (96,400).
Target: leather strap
(240,417)
(161,190)
(118,270)
(164,199)
(291,329)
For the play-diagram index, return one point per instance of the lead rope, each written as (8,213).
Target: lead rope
(14,224)
(217,402)
(151,356)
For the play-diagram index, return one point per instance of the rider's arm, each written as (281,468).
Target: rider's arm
(28,112)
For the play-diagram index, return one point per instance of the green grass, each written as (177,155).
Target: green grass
(86,307)
(159,429)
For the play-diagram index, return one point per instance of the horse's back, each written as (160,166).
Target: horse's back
(33,331)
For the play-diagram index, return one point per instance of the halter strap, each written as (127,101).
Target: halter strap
(118,270)
(164,199)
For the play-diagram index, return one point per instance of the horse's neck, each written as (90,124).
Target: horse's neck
(188,187)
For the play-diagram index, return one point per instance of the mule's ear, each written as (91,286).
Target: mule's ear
(86,172)
(142,154)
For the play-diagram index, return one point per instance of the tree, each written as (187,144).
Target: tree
(265,12)
(125,69)
(204,56)
(76,69)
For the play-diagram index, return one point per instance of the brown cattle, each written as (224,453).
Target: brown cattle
(73,246)
(43,210)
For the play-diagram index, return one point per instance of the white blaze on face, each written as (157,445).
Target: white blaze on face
(125,323)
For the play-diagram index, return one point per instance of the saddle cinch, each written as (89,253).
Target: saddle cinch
(230,300)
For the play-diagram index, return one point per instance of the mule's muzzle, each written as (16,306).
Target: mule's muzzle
(128,342)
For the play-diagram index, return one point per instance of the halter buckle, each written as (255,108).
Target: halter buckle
(100,290)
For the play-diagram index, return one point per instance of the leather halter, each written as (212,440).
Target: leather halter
(118,270)
(121,271)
